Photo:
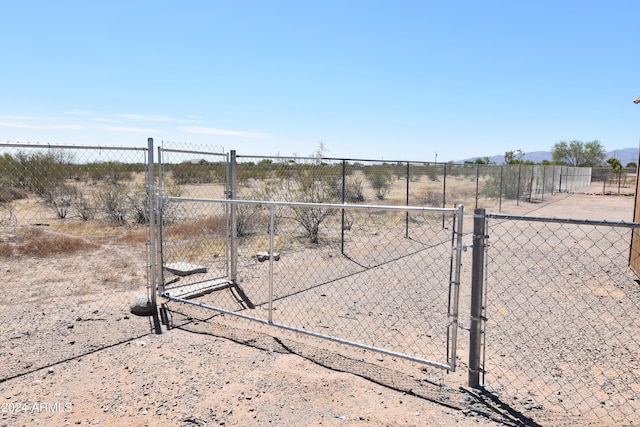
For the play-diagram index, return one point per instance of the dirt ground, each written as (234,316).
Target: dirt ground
(193,367)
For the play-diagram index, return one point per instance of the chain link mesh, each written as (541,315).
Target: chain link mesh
(563,314)
(371,286)
(73,234)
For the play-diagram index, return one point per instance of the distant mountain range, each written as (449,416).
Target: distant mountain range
(625,155)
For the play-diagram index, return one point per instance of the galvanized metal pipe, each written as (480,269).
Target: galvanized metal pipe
(476,312)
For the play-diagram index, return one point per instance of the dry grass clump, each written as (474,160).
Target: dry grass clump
(6,250)
(135,237)
(196,228)
(103,232)
(41,244)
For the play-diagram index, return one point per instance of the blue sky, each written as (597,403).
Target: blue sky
(388,80)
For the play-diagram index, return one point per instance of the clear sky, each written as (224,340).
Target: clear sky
(389,80)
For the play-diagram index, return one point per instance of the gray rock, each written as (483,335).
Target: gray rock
(141,306)
(264,256)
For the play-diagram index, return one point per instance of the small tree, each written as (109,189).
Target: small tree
(578,153)
(616,168)
(513,157)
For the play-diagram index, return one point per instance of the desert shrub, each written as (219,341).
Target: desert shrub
(39,171)
(432,198)
(193,173)
(139,203)
(354,191)
(84,206)
(110,172)
(264,169)
(380,179)
(113,201)
(61,198)
(7,217)
(305,186)
(10,193)
(247,216)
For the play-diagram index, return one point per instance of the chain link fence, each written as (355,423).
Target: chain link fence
(73,251)
(288,252)
(563,315)
(358,251)
(413,183)
(615,181)
(370,287)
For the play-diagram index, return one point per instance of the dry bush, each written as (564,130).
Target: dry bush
(41,244)
(9,193)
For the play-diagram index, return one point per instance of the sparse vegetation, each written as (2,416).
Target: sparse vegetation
(116,191)
(38,243)
(380,179)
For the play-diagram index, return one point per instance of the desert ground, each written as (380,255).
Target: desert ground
(97,364)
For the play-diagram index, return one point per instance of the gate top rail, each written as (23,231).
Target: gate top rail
(315,205)
(603,222)
(71,147)
(175,150)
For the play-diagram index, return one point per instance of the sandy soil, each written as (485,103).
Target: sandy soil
(78,357)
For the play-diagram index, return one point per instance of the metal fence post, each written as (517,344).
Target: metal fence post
(153,261)
(406,217)
(233,232)
(518,191)
(477,184)
(271,258)
(444,189)
(544,175)
(477,318)
(344,194)
(159,223)
(501,189)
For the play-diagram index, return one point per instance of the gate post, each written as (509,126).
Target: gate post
(153,260)
(233,232)
(477,318)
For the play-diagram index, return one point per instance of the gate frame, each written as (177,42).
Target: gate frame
(157,261)
(454,274)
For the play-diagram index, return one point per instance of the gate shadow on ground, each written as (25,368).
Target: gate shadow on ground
(473,403)
(155,327)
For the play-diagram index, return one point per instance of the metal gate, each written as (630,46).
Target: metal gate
(193,244)
(386,292)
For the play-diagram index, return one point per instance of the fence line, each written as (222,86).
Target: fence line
(561,314)
(74,246)
(553,319)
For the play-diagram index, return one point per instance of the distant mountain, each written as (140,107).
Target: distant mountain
(625,155)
